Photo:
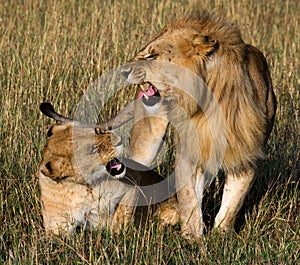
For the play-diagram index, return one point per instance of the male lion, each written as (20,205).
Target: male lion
(83,183)
(216,90)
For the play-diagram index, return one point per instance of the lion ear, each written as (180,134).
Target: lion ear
(204,45)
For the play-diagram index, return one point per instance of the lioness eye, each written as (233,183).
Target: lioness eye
(150,56)
(100,131)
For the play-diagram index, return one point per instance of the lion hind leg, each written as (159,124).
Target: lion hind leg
(234,193)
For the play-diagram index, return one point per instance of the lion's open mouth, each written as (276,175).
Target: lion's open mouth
(116,168)
(151,96)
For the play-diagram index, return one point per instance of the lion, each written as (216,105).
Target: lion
(84,184)
(199,75)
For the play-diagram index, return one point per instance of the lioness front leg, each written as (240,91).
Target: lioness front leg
(234,193)
(147,134)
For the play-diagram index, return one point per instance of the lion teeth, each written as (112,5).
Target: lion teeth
(145,96)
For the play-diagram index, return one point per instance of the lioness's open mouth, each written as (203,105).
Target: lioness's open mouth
(116,168)
(151,96)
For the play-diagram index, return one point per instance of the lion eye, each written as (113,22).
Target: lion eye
(150,56)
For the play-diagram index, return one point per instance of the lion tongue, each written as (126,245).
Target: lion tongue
(149,92)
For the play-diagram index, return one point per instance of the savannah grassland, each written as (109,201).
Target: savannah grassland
(53,50)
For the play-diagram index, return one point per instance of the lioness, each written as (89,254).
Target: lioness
(216,90)
(83,183)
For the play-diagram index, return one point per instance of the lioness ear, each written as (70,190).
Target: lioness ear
(50,133)
(204,45)
(56,168)
(57,128)
(46,169)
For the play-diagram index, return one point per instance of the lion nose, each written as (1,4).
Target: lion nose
(134,73)
(126,71)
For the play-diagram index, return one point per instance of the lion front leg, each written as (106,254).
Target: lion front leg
(234,193)
(189,196)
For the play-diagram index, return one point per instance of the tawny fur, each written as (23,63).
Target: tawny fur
(237,75)
(76,189)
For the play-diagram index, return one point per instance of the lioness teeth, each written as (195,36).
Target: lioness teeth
(145,96)
(119,167)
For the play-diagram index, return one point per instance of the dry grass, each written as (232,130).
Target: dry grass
(53,50)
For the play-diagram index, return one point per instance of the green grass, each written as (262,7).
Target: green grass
(53,50)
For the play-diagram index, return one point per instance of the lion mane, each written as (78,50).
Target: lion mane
(231,109)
